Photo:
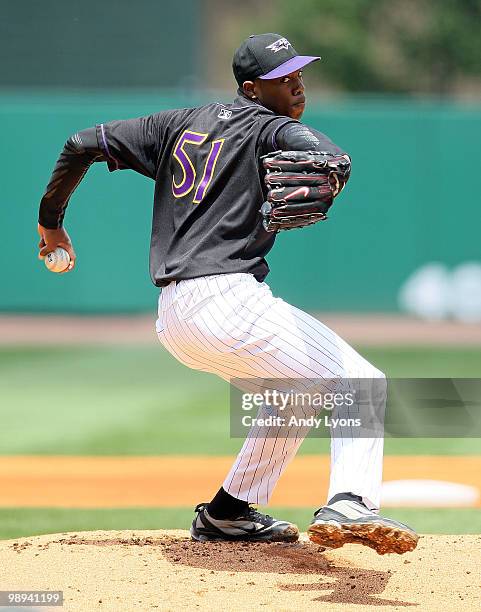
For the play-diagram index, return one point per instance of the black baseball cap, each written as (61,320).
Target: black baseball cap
(267,56)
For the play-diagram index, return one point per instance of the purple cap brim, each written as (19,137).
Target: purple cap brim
(295,63)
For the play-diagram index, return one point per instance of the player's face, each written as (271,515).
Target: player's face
(284,96)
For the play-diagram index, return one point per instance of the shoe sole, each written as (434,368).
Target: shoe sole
(381,537)
(290,534)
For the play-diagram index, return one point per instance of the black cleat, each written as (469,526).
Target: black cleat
(250,526)
(347,521)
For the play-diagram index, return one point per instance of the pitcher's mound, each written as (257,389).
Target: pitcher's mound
(165,570)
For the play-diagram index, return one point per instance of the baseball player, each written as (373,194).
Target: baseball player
(229,178)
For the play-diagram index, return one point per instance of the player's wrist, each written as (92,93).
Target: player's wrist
(49,225)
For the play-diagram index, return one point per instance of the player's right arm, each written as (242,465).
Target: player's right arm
(130,144)
(78,153)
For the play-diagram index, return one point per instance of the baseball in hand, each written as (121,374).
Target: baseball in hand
(58,260)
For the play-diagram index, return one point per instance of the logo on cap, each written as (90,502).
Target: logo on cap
(276,46)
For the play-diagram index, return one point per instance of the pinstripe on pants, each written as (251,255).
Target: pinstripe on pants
(231,325)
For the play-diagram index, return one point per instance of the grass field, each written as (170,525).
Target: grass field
(140,401)
(22,522)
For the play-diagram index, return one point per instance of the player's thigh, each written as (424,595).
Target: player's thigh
(301,345)
(233,326)
(324,344)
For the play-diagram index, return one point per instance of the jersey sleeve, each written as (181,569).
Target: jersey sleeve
(267,142)
(131,144)
(299,137)
(134,144)
(80,151)
(284,134)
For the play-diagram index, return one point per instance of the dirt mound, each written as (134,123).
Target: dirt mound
(165,570)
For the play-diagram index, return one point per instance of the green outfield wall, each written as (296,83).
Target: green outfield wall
(413,198)
(89,44)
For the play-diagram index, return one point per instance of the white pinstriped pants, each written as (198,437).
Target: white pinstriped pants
(231,325)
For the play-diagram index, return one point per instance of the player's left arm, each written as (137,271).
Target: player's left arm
(304,171)
(299,137)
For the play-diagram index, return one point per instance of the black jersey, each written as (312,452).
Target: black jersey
(208,182)
(208,189)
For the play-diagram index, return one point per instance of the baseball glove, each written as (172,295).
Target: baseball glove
(302,186)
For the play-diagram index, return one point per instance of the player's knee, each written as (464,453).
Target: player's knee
(367,370)
(379,386)
(375,382)
(375,373)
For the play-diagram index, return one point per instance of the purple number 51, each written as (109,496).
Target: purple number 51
(189,173)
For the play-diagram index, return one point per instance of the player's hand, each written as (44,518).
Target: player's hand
(50,239)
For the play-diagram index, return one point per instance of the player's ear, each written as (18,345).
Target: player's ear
(248,89)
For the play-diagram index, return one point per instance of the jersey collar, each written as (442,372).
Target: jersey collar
(243,100)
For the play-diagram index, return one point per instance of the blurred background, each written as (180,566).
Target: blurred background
(398,87)
(396,270)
